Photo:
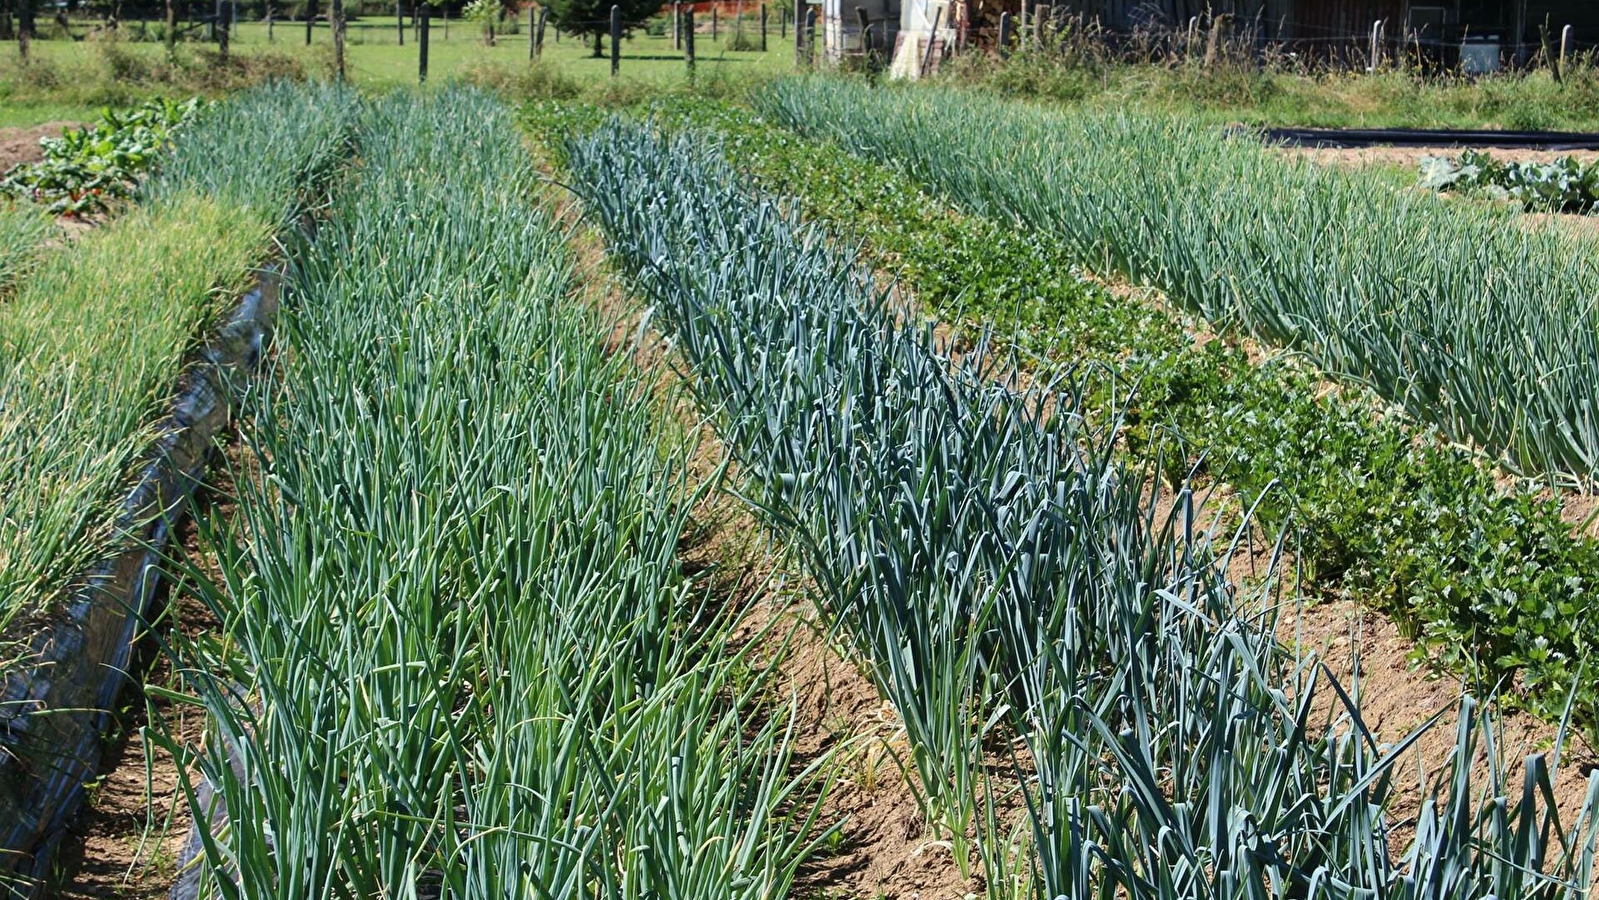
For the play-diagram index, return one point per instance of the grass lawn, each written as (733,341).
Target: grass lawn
(74,77)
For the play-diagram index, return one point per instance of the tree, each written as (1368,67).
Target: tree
(593,17)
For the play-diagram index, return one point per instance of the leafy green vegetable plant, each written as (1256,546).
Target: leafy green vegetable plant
(87,168)
(1562,185)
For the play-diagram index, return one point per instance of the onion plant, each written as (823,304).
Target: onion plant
(89,347)
(270,149)
(1001,574)
(95,338)
(1468,317)
(460,657)
(23,230)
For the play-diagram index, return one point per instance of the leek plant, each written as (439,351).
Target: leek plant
(460,657)
(1001,575)
(1465,316)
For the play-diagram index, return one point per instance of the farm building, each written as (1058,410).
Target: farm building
(1481,35)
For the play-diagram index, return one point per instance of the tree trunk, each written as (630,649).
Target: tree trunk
(599,45)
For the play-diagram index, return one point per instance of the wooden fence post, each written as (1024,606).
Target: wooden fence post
(538,33)
(337,12)
(763,27)
(810,37)
(714,19)
(688,40)
(782,23)
(1041,19)
(422,47)
(1213,45)
(1004,34)
(799,33)
(677,25)
(310,19)
(616,39)
(399,20)
(270,38)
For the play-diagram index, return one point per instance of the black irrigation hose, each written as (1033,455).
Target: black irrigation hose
(54,709)
(1424,137)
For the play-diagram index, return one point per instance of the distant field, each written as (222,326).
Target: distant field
(74,79)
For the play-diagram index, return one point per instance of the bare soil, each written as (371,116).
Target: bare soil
(1360,157)
(21,145)
(1399,693)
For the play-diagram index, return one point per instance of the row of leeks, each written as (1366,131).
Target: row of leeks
(1466,316)
(459,656)
(1000,575)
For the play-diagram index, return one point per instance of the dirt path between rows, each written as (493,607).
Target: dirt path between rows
(125,843)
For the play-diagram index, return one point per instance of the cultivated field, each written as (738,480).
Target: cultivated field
(825,490)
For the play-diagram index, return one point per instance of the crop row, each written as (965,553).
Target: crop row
(1463,315)
(1488,577)
(1000,574)
(96,336)
(459,656)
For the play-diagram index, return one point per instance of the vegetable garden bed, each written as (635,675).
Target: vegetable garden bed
(91,345)
(1483,571)
(1087,626)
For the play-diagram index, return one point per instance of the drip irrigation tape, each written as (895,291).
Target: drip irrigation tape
(1421,137)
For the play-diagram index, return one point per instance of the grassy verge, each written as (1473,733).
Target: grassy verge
(72,79)
(1487,576)
(470,661)
(995,568)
